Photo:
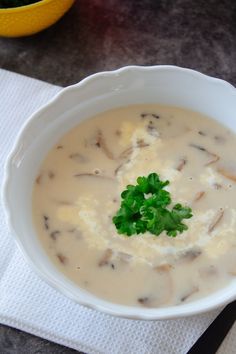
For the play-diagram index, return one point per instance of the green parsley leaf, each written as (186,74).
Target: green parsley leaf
(144,208)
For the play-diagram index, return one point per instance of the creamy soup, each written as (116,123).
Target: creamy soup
(77,193)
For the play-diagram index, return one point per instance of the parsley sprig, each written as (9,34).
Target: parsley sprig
(144,208)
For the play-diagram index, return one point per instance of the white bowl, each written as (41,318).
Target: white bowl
(158,84)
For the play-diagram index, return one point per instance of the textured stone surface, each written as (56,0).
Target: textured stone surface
(102,35)
(13,341)
(98,35)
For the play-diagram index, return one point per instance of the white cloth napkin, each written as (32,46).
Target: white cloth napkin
(27,303)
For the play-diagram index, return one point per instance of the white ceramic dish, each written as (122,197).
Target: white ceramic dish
(158,84)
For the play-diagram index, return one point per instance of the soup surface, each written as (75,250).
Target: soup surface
(77,192)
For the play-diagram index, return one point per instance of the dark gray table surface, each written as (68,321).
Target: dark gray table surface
(97,35)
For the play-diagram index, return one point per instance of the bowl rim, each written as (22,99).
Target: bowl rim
(23,8)
(145,314)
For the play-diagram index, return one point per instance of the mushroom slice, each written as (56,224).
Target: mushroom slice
(214,157)
(63,202)
(227,174)
(216,220)
(62,259)
(181,164)
(46,222)
(217,185)
(101,143)
(141,144)
(186,296)
(126,153)
(191,254)
(94,175)
(150,115)
(119,167)
(145,301)
(54,234)
(77,157)
(105,258)
(51,174)
(200,132)
(39,179)
(163,267)
(198,196)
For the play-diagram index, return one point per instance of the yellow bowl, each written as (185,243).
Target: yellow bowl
(30,19)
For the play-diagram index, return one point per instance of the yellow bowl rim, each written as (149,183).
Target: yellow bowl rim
(25,7)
